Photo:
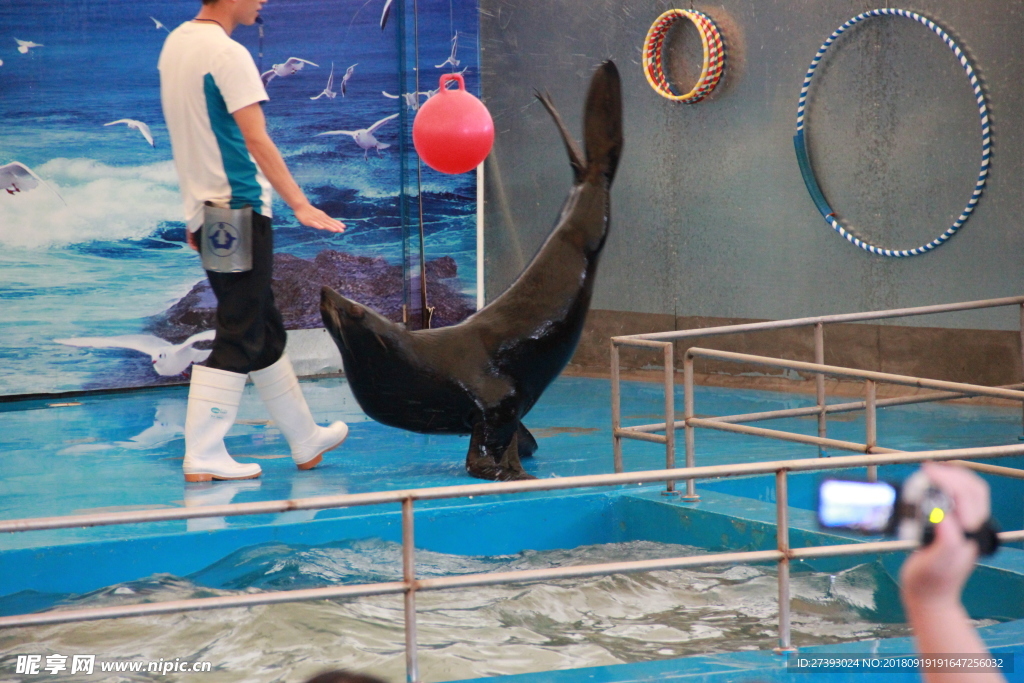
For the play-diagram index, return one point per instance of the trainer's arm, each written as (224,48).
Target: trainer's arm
(254,129)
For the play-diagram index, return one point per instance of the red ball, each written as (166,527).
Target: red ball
(453,131)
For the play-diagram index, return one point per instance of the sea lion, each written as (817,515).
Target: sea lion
(482,376)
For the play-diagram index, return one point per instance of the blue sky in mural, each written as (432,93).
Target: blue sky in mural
(107,253)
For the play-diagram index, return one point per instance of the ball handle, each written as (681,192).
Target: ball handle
(447,78)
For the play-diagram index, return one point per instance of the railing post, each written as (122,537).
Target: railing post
(616,410)
(688,414)
(819,381)
(1021,437)
(871,423)
(412,673)
(782,533)
(670,413)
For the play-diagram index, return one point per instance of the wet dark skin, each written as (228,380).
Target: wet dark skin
(482,376)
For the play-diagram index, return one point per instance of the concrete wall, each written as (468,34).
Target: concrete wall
(710,215)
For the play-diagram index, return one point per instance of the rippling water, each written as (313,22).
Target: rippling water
(464,633)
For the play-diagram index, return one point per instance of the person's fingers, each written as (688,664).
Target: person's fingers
(969,492)
(330,226)
(313,217)
(940,569)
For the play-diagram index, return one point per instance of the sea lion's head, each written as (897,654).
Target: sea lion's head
(352,325)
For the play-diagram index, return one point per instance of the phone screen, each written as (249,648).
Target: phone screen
(865,506)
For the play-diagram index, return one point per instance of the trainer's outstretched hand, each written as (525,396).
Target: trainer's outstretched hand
(312,217)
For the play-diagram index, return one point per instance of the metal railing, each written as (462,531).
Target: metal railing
(665,343)
(410,585)
(783,554)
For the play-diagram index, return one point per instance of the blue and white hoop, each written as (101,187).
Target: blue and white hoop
(805,163)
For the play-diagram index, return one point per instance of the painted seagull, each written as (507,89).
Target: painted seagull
(412,99)
(364,136)
(17,177)
(168,358)
(291,65)
(348,74)
(385,14)
(451,58)
(331,94)
(136,125)
(24,45)
(159,25)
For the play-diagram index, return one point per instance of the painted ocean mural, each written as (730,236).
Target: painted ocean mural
(95,247)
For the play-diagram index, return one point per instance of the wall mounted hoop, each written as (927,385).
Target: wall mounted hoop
(714,55)
(804,161)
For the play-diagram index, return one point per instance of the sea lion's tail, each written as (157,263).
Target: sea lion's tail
(602,126)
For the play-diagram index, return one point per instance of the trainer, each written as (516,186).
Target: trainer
(227,164)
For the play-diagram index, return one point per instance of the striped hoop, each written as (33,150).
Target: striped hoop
(805,163)
(714,55)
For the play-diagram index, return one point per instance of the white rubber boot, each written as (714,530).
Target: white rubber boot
(213,398)
(279,388)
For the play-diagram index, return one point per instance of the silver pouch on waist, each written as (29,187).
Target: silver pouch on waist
(227,239)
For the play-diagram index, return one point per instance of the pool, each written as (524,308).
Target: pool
(122,451)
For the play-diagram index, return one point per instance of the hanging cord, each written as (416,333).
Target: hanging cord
(712,45)
(426,312)
(800,144)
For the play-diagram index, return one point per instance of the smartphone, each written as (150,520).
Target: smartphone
(865,506)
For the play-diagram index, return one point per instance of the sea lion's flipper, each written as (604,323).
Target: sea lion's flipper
(527,444)
(602,126)
(510,468)
(602,122)
(491,457)
(579,166)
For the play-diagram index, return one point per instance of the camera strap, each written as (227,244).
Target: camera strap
(986,537)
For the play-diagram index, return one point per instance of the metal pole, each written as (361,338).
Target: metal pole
(826,319)
(442,583)
(691,458)
(881,457)
(819,381)
(782,532)
(1021,437)
(846,407)
(670,413)
(632,432)
(616,410)
(790,436)
(838,371)
(412,673)
(870,419)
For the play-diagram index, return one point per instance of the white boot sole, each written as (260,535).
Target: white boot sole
(221,476)
(318,458)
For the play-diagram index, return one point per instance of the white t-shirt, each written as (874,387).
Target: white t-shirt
(205,77)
